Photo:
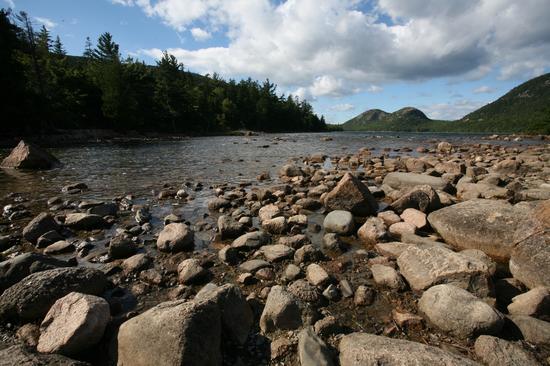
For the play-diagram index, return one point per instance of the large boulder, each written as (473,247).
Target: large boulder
(84,221)
(423,198)
(458,312)
(281,311)
(397,180)
(429,266)
(312,351)
(533,330)
(250,241)
(487,225)
(493,351)
(19,355)
(74,323)
(350,194)
(32,297)
(172,333)
(229,228)
(38,226)
(339,222)
(530,261)
(175,237)
(29,156)
(362,349)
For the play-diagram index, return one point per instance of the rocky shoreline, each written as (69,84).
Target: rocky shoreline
(442,258)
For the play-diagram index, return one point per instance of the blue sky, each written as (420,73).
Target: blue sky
(345,56)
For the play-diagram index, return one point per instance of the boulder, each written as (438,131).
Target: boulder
(399,229)
(426,267)
(533,330)
(361,349)
(175,237)
(458,312)
(253,265)
(253,240)
(84,221)
(281,311)
(269,212)
(74,323)
(290,170)
(493,351)
(487,225)
(316,275)
(275,226)
(31,298)
(414,217)
(350,194)
(62,246)
(104,209)
(387,277)
(398,180)
(530,261)
(229,228)
(172,333)
(444,147)
(29,156)
(191,271)
(532,303)
(339,222)
(312,351)
(135,263)
(38,226)
(20,355)
(277,252)
(121,247)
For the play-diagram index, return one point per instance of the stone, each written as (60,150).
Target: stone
(59,247)
(316,275)
(229,255)
(190,271)
(304,291)
(361,349)
(493,351)
(276,226)
(218,203)
(339,222)
(535,302)
(29,156)
(84,221)
(387,277)
(28,334)
(444,147)
(104,209)
(295,241)
(237,317)
(74,323)
(172,333)
(290,170)
(331,293)
(20,355)
(292,272)
(392,250)
(487,225)
(506,289)
(458,312)
(332,241)
(269,212)
(309,204)
(253,265)
(533,330)
(31,298)
(372,231)
(298,220)
(41,224)
(74,188)
(530,261)
(307,253)
(389,217)
(424,268)
(398,180)
(414,217)
(121,247)
(312,351)
(229,228)
(136,263)
(481,256)
(280,347)
(406,320)
(345,288)
(399,229)
(351,195)
(175,237)
(277,252)
(328,326)
(48,238)
(253,240)
(281,311)
(363,296)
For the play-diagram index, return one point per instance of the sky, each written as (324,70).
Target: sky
(445,57)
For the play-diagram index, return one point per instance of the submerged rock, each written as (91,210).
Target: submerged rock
(29,156)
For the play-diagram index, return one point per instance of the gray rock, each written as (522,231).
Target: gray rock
(104,209)
(229,228)
(362,349)
(295,241)
(532,303)
(312,351)
(277,225)
(29,156)
(31,298)
(339,222)
(253,265)
(332,241)
(363,296)
(458,312)
(269,212)
(281,311)
(292,272)
(423,198)
(135,263)
(217,203)
(351,195)
(41,224)
(398,180)
(59,247)
(253,240)
(372,231)
(387,277)
(19,355)
(84,221)
(316,275)
(304,291)
(493,351)
(533,330)
(74,323)
(423,268)
(172,333)
(277,252)
(307,253)
(190,271)
(530,261)
(121,247)
(176,237)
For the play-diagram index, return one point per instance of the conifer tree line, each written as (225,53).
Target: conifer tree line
(46,89)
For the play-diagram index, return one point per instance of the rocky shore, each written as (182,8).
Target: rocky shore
(442,258)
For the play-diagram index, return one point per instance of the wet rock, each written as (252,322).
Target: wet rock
(191,271)
(281,311)
(532,303)
(530,261)
(121,247)
(533,330)
(295,241)
(172,333)
(32,298)
(359,349)
(332,241)
(277,252)
(176,238)
(339,222)
(229,228)
(458,312)
(312,351)
(83,221)
(104,209)
(29,156)
(6,242)
(229,255)
(253,265)
(397,180)
(59,247)
(316,275)
(136,263)
(414,217)
(250,241)
(275,226)
(307,253)
(74,323)
(351,195)
(218,203)
(143,215)
(48,238)
(363,296)
(74,188)
(387,277)
(298,220)
(237,316)
(19,355)
(38,226)
(372,231)
(493,351)
(487,225)
(423,268)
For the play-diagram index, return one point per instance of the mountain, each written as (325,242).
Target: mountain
(405,119)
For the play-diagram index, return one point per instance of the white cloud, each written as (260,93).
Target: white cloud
(123,2)
(344,107)
(375,89)
(484,89)
(200,34)
(334,47)
(48,23)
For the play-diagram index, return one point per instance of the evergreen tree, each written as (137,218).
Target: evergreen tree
(44,40)
(58,47)
(88,51)
(107,49)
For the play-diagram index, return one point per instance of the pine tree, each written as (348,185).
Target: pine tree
(88,51)
(58,47)
(107,49)
(44,40)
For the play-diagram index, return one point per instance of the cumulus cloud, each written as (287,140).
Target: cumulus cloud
(48,23)
(484,89)
(200,34)
(342,107)
(337,47)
